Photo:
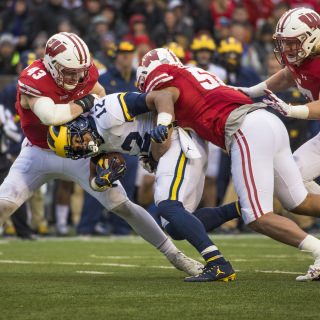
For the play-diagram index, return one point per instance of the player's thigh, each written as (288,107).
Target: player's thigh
(179,178)
(79,172)
(289,187)
(25,175)
(252,152)
(307,158)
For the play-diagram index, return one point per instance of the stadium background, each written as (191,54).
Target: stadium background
(116,277)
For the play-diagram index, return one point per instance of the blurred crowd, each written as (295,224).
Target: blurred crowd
(231,38)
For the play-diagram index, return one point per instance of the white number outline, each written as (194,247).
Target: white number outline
(206,79)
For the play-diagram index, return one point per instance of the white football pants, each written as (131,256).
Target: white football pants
(262,166)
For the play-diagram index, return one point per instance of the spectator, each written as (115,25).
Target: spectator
(9,56)
(97,31)
(47,17)
(137,28)
(203,50)
(16,21)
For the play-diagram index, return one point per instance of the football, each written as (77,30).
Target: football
(106,158)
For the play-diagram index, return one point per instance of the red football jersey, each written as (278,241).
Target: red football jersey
(205,102)
(307,77)
(36,81)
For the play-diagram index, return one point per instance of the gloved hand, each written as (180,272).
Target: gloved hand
(86,103)
(276,103)
(148,163)
(107,177)
(160,133)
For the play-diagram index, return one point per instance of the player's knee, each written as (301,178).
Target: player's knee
(173,232)
(263,224)
(124,210)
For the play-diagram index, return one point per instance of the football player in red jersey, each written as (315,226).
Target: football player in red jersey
(297,48)
(54,91)
(258,142)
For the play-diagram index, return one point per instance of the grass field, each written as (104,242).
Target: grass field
(125,278)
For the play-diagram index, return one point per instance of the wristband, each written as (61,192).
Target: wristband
(164,118)
(299,112)
(95,187)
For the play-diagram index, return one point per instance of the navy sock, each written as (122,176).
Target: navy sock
(187,225)
(212,218)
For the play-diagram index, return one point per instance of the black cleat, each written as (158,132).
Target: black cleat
(219,272)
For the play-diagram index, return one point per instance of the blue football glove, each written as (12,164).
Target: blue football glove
(160,133)
(107,177)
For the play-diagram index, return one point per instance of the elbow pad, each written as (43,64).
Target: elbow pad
(50,113)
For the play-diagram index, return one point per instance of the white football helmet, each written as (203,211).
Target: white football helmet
(68,60)
(153,59)
(297,33)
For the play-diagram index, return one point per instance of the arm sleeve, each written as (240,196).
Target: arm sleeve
(50,113)
(136,103)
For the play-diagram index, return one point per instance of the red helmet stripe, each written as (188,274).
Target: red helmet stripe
(76,43)
(281,25)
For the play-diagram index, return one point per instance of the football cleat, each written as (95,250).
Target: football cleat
(313,274)
(219,272)
(181,262)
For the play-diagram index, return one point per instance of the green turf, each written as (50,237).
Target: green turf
(42,280)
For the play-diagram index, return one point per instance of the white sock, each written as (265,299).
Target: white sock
(209,249)
(62,212)
(311,244)
(168,248)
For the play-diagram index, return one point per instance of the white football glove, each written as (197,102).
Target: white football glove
(299,112)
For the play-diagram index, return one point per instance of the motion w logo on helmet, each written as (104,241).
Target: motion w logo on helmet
(149,57)
(310,19)
(55,47)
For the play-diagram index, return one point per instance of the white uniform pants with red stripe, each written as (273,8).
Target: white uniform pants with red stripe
(263,166)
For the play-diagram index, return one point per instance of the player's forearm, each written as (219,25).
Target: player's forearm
(99,90)
(280,81)
(314,110)
(161,101)
(158,150)
(55,114)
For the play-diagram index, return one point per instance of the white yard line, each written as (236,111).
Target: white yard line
(103,264)
(94,272)
(116,257)
(277,271)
